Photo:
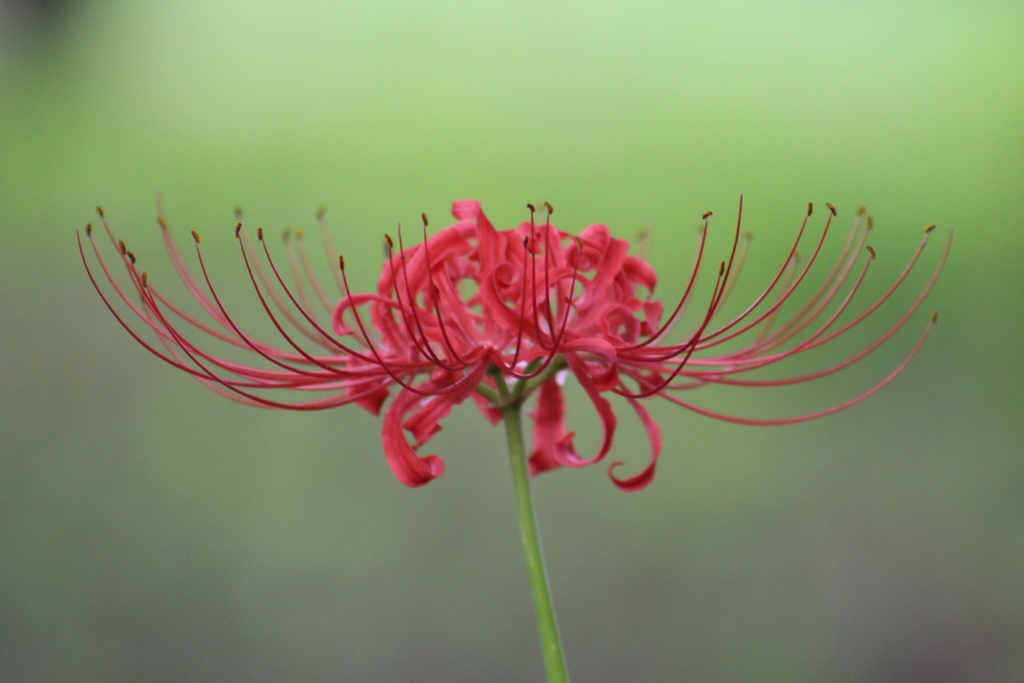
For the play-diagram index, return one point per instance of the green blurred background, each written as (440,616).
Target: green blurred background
(152,531)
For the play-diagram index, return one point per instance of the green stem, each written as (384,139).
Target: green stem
(554,662)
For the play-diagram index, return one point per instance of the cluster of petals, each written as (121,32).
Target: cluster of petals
(496,316)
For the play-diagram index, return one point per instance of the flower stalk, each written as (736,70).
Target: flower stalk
(554,661)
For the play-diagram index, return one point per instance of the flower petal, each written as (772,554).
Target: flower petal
(565,454)
(644,477)
(408,468)
(548,427)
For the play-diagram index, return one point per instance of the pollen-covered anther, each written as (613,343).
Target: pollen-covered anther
(928,228)
(871,222)
(88,229)
(531,208)
(238,229)
(747,235)
(935,316)
(872,252)
(861,209)
(425,221)
(195,236)
(706,215)
(99,210)
(144,278)
(831,208)
(299,234)
(810,208)
(286,235)
(550,208)
(387,241)
(130,256)
(320,212)
(123,249)
(238,213)
(161,222)
(721,267)
(341,262)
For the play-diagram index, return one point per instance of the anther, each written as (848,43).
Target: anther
(99,210)
(579,242)
(238,229)
(299,234)
(928,228)
(831,208)
(871,222)
(872,252)
(195,236)
(935,316)
(810,208)
(238,213)
(88,229)
(861,209)
(550,209)
(259,234)
(747,235)
(526,243)
(721,267)
(124,249)
(161,222)
(425,221)
(130,255)
(144,278)
(387,240)
(706,215)
(286,235)
(341,262)
(320,213)
(531,208)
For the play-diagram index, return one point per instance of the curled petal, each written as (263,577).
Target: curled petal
(638,271)
(606,377)
(548,427)
(565,453)
(408,468)
(644,477)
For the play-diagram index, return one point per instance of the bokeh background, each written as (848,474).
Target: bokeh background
(152,531)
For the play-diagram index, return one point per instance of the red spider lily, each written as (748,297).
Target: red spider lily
(474,312)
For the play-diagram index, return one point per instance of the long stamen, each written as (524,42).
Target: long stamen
(547,264)
(412,307)
(522,312)
(308,269)
(691,345)
(558,339)
(334,371)
(325,336)
(686,294)
(270,313)
(389,246)
(455,386)
(325,237)
(822,413)
(533,276)
(712,339)
(434,292)
(275,297)
(293,265)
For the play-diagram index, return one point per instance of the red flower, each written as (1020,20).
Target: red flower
(472,309)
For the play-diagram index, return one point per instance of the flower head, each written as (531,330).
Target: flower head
(496,316)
